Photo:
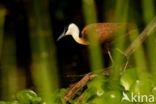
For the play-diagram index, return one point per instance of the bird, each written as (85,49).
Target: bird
(105,32)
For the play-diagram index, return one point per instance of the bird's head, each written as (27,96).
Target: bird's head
(72,29)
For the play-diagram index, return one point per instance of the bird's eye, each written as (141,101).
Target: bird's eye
(65,29)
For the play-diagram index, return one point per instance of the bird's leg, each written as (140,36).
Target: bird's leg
(127,59)
(125,66)
(109,53)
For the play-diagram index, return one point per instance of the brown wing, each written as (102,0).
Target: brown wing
(104,31)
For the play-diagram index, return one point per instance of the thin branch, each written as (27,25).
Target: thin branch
(140,39)
(80,84)
(83,82)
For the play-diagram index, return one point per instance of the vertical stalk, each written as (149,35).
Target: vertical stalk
(94,46)
(96,60)
(148,14)
(139,57)
(8,70)
(121,17)
(2,17)
(44,70)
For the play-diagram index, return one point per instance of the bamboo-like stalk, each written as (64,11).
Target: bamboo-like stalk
(121,16)
(8,68)
(2,16)
(149,13)
(94,47)
(139,57)
(44,70)
(96,60)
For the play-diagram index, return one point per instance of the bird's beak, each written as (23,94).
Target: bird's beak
(61,36)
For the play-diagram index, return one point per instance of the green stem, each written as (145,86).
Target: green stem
(44,70)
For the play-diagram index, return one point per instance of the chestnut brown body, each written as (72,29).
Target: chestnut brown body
(105,31)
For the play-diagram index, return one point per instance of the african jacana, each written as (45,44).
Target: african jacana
(104,31)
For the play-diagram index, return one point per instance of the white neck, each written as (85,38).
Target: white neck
(73,30)
(79,40)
